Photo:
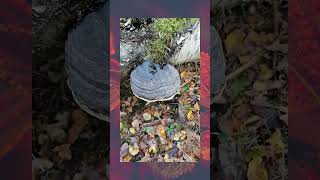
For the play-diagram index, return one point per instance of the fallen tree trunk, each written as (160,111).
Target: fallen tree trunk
(185,48)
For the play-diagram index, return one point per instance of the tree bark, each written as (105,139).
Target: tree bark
(186,49)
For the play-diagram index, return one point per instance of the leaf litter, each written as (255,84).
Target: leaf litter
(251,134)
(163,131)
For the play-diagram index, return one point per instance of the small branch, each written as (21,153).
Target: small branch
(151,123)
(241,69)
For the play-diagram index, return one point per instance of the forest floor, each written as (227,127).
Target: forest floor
(250,119)
(163,131)
(66,142)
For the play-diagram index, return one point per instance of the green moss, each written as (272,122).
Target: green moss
(166,28)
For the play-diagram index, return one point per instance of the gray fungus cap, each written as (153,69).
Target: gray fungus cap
(151,82)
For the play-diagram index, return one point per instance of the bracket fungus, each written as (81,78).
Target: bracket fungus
(152,83)
(87,66)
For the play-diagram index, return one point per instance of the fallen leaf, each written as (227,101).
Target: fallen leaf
(127,158)
(156,114)
(260,85)
(161,131)
(245,59)
(183,74)
(185,88)
(121,125)
(142,145)
(41,164)
(146,158)
(146,116)
(64,151)
(183,135)
(285,119)
(153,150)
(124,149)
(134,150)
(196,107)
(56,134)
(257,170)
(190,115)
(276,142)
(135,124)
(176,137)
(234,41)
(166,158)
(265,72)
(80,120)
(132,130)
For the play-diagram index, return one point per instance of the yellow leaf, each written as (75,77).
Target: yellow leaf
(276,142)
(257,170)
(121,125)
(134,150)
(153,150)
(132,130)
(190,115)
(161,131)
(183,135)
(196,107)
(176,137)
(166,158)
(127,158)
(234,41)
(183,74)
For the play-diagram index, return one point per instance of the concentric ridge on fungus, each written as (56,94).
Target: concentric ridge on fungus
(151,83)
(86,65)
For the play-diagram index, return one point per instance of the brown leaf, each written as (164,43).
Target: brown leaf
(135,124)
(64,151)
(80,120)
(56,134)
(41,164)
(265,72)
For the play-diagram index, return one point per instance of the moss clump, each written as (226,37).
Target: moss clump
(165,29)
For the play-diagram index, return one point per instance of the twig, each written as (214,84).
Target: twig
(151,123)
(186,155)
(241,69)
(306,84)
